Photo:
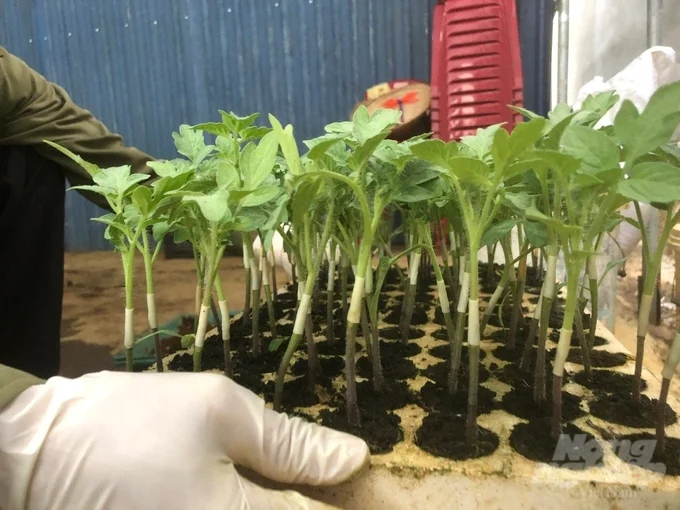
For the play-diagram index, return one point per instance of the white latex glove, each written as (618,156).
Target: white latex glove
(119,441)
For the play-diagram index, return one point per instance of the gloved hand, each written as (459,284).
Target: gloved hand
(120,441)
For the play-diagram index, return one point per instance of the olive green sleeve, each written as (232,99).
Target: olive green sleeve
(33,109)
(13,382)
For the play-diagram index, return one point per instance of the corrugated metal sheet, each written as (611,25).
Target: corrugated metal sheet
(144,67)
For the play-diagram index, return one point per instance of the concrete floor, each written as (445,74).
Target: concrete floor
(94,297)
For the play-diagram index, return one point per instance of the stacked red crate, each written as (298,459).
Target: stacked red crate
(476,66)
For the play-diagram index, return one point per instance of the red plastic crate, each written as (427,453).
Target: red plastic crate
(438,81)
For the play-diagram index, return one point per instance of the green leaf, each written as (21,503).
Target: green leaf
(159,230)
(187,341)
(411,194)
(520,167)
(537,233)
(436,152)
(236,123)
(288,146)
(500,149)
(305,194)
(250,219)
(214,128)
(226,175)
(164,168)
(595,149)
(497,231)
(213,207)
(118,179)
(141,199)
(367,126)
(276,343)
(90,168)
(261,163)
(393,153)
(563,164)
(481,143)
(519,201)
(191,143)
(527,113)
(525,135)
(261,196)
(470,170)
(534,214)
(643,132)
(363,152)
(254,132)
(319,146)
(100,190)
(652,182)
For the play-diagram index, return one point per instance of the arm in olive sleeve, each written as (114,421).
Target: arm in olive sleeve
(33,109)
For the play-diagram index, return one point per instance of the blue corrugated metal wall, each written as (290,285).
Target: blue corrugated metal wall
(145,66)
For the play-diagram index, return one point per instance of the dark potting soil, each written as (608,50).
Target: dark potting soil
(494,320)
(442,334)
(327,348)
(598,341)
(620,409)
(435,398)
(297,392)
(394,367)
(443,435)
(520,402)
(534,277)
(439,316)
(668,463)
(393,395)
(391,350)
(557,317)
(512,375)
(444,352)
(418,318)
(534,441)
(331,366)
(267,362)
(501,335)
(394,333)
(379,428)
(439,372)
(187,326)
(507,353)
(607,381)
(392,276)
(598,358)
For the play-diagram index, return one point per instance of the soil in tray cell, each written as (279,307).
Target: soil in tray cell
(331,366)
(443,334)
(394,366)
(439,373)
(598,341)
(534,441)
(520,402)
(443,435)
(379,428)
(444,352)
(394,333)
(598,358)
(393,395)
(620,409)
(435,398)
(494,320)
(644,454)
(511,374)
(335,349)
(418,318)
(297,392)
(608,381)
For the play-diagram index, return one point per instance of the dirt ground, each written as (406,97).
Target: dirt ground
(94,296)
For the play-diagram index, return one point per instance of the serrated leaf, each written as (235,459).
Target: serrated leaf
(160,229)
(393,153)
(163,168)
(436,152)
(652,182)
(213,207)
(191,143)
(480,144)
(100,190)
(369,126)
(214,128)
(497,231)
(319,146)
(595,149)
(364,151)
(470,170)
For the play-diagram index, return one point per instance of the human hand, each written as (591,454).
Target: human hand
(161,441)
